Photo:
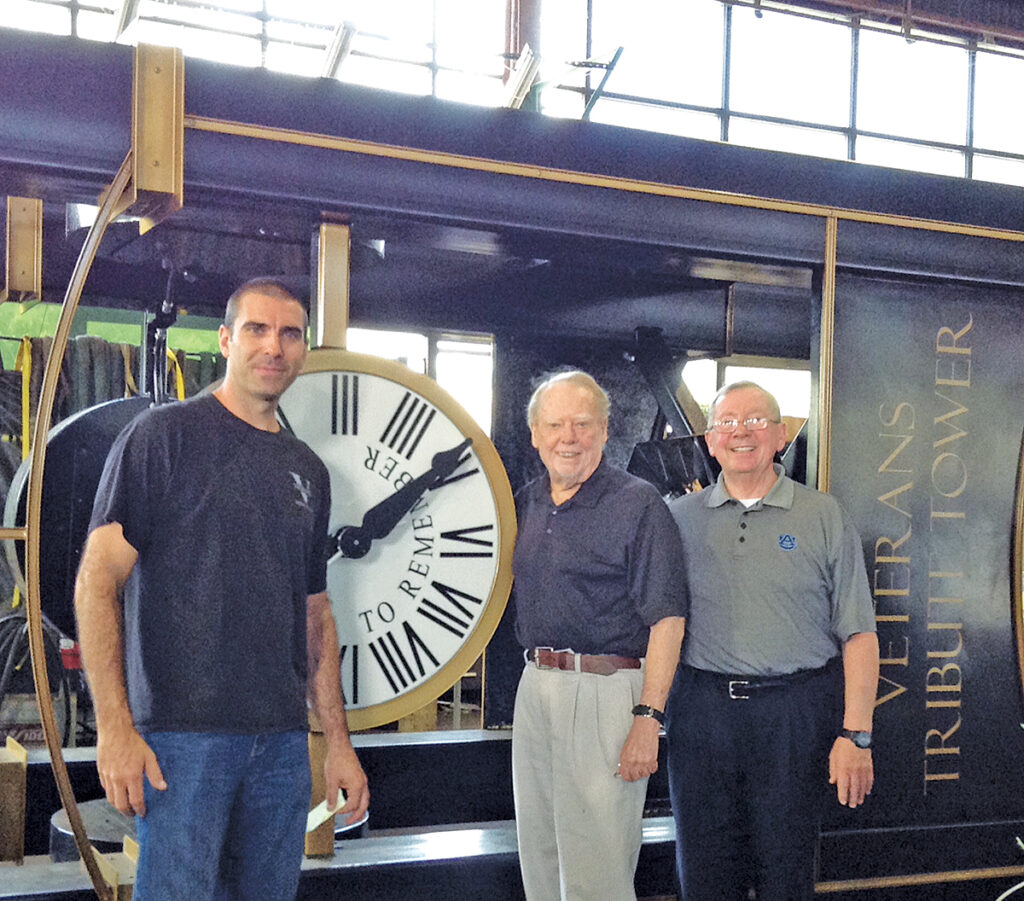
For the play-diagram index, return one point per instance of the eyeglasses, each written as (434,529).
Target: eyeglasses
(752,424)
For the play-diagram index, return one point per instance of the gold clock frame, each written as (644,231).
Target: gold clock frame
(328,359)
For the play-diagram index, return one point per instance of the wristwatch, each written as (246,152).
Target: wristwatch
(860,739)
(652,712)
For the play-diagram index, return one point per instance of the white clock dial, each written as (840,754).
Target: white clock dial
(422,528)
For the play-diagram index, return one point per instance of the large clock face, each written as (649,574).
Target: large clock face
(422,528)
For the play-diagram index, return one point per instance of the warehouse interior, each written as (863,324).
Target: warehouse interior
(537,231)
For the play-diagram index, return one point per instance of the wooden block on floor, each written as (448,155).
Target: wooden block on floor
(118,870)
(319,842)
(13,772)
(422,720)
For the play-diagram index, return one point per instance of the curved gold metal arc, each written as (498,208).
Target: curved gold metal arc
(1017,565)
(34,513)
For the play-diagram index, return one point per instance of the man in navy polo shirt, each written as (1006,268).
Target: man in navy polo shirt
(600,606)
(780,667)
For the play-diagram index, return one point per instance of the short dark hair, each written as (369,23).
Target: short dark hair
(266,285)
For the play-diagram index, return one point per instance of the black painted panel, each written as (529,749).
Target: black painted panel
(64,103)
(932,254)
(417,780)
(927,411)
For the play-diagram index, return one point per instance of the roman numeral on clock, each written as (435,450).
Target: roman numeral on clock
(402,665)
(466,537)
(407,425)
(450,479)
(354,661)
(344,404)
(454,615)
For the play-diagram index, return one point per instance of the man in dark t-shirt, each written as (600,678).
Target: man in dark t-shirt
(205,624)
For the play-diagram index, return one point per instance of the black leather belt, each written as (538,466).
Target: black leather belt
(743,687)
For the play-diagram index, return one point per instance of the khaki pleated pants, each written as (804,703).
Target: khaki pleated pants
(578,824)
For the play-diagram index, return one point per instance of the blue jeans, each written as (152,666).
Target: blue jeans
(231,824)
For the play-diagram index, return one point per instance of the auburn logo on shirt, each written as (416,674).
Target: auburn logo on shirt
(787,542)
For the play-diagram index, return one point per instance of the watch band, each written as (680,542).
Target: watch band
(860,739)
(652,712)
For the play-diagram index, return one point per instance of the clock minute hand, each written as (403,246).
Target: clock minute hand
(380,519)
(383,517)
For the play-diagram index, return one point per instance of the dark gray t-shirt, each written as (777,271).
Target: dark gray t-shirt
(230,523)
(595,573)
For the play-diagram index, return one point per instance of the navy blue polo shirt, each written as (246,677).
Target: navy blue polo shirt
(595,573)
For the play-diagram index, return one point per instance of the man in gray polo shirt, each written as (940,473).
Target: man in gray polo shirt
(599,586)
(780,667)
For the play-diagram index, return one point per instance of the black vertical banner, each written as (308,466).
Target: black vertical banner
(928,407)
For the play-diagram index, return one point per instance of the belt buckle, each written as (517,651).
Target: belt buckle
(536,658)
(738,684)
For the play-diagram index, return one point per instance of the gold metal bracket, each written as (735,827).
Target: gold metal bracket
(23,268)
(329,316)
(157,184)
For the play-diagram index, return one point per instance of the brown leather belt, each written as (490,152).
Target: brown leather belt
(601,664)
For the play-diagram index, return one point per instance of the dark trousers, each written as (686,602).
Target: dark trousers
(747,780)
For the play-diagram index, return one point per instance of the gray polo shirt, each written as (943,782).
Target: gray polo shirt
(596,572)
(774,588)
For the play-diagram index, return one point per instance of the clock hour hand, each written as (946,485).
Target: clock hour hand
(380,519)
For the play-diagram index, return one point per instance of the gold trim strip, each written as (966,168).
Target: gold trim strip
(13,534)
(568,176)
(333,253)
(1017,565)
(827,353)
(881,882)
(44,412)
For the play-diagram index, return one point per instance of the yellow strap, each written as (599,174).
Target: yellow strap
(179,374)
(23,364)
(130,388)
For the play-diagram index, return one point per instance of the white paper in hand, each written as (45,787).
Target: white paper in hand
(321,813)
